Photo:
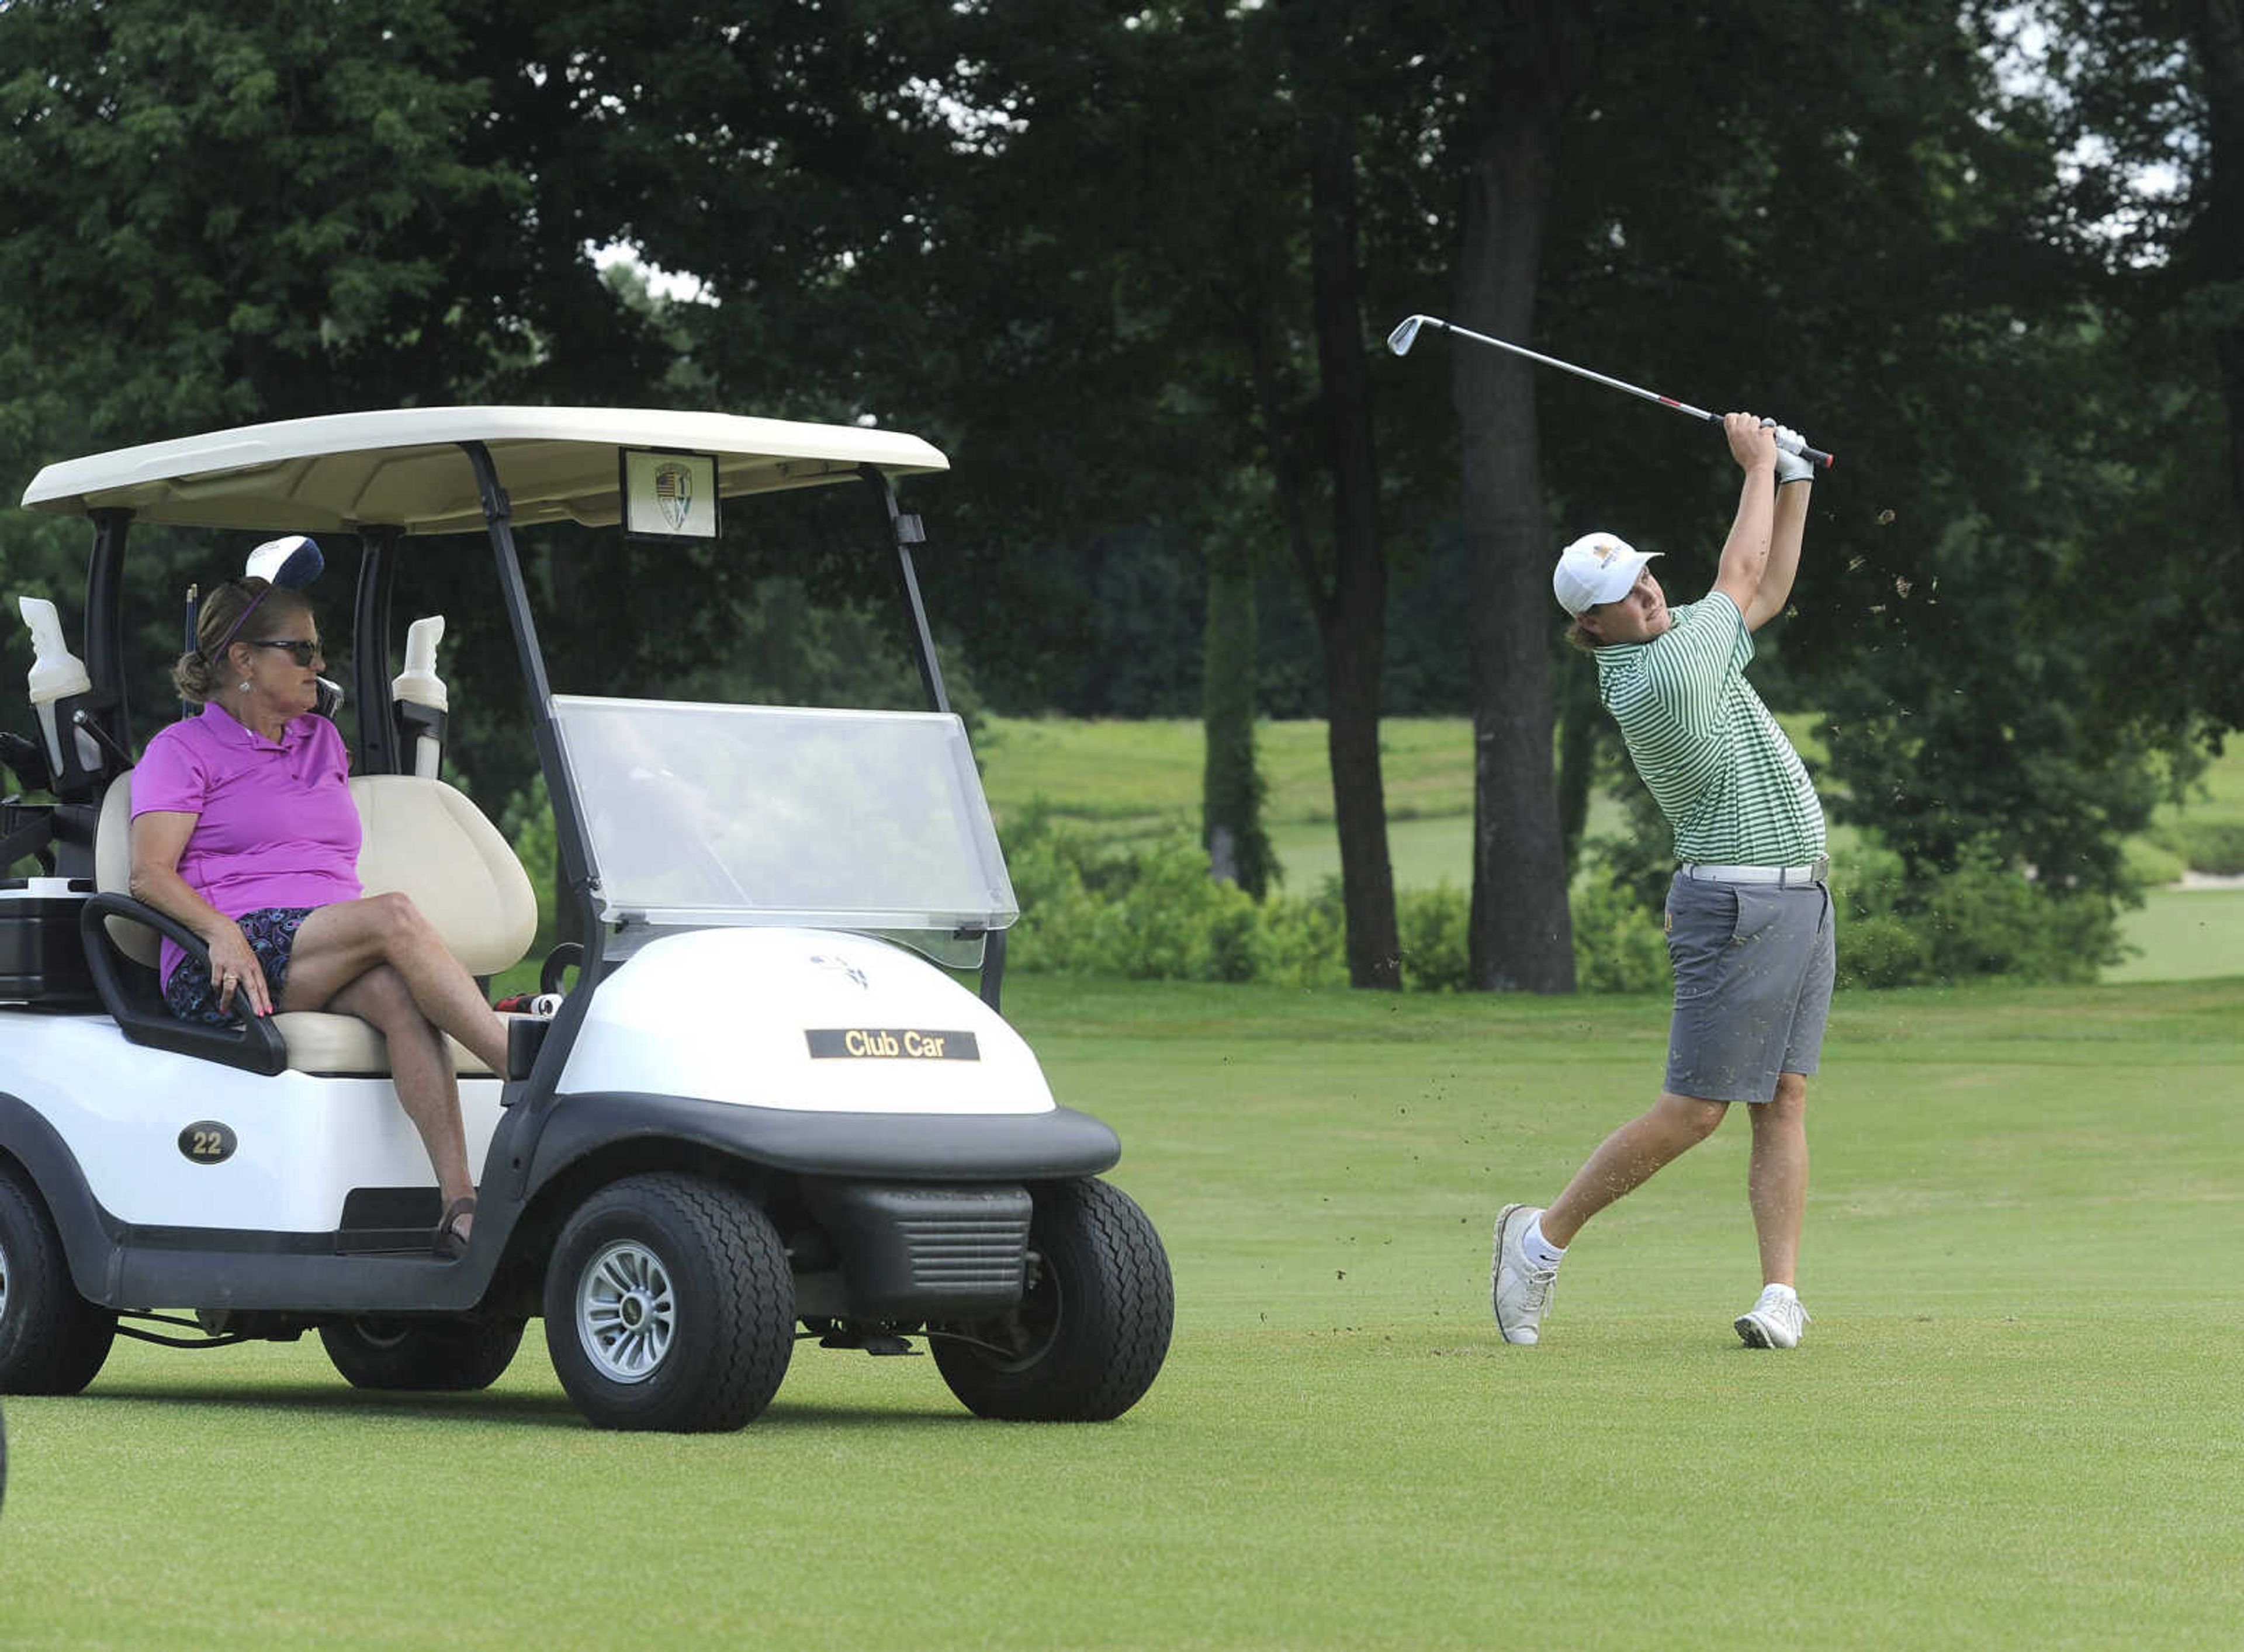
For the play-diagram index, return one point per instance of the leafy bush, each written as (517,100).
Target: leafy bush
(1985,917)
(2150,862)
(2214,846)
(1436,929)
(1154,912)
(1619,946)
(527,823)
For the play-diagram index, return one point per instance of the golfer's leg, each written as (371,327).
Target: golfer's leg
(338,944)
(1630,1157)
(1776,1179)
(420,1066)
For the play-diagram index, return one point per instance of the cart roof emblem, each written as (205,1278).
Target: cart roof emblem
(835,961)
(673,492)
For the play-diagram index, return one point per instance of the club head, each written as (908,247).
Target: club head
(1406,334)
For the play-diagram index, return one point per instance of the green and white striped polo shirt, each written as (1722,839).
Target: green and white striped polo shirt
(1717,764)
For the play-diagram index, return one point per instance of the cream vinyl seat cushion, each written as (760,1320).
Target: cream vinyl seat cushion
(343,1045)
(424,839)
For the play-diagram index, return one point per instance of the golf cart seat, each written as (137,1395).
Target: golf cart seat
(424,838)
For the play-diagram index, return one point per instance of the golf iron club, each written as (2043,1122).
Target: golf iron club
(1406,334)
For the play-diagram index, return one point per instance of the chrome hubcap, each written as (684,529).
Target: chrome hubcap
(626,1311)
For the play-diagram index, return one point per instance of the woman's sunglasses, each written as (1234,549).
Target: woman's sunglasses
(304,653)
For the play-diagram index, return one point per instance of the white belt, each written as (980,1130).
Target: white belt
(1814,872)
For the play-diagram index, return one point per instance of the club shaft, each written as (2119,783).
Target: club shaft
(1636,390)
(1815,456)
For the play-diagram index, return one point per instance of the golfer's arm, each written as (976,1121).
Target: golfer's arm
(160,837)
(1745,552)
(1789,526)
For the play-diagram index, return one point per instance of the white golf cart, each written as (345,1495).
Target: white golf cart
(765,1101)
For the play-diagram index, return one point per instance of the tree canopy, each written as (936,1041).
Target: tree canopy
(1130,265)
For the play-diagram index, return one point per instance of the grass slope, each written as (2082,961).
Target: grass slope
(2013,1424)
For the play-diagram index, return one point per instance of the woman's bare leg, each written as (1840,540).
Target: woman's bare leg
(421,1067)
(337,945)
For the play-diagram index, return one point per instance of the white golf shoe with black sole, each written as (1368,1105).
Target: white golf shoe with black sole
(1775,1320)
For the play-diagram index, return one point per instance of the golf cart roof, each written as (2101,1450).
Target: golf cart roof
(402,467)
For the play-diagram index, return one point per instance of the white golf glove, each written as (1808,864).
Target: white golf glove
(1790,467)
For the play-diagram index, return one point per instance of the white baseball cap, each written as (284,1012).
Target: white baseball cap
(1598,567)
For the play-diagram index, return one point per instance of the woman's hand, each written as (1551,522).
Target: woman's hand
(235,969)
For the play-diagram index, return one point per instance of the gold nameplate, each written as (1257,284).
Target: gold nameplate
(891,1044)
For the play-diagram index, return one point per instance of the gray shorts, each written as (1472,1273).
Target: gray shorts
(1753,964)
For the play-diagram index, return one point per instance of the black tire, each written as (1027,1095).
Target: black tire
(52,1340)
(1090,1335)
(688,1305)
(428,1355)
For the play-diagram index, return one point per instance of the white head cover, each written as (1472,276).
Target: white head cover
(1598,567)
(294,561)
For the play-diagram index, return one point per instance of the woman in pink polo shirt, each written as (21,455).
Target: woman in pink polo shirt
(243,829)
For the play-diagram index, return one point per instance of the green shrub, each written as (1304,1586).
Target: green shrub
(2213,846)
(1619,946)
(1152,912)
(1883,950)
(1436,929)
(1302,942)
(1985,917)
(2150,862)
(527,823)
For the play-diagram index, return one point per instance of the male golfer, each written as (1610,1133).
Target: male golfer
(1749,915)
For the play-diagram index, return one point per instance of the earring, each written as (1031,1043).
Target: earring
(245,685)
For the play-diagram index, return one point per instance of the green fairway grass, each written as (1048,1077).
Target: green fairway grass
(2183,935)
(2013,1424)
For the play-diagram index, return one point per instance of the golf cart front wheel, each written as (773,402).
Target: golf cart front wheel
(1092,1327)
(669,1304)
(52,1340)
(428,1355)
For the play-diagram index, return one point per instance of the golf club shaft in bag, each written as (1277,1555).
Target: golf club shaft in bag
(1406,334)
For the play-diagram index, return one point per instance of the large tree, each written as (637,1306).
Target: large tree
(1537,58)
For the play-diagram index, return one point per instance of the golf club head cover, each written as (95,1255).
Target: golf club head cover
(293,561)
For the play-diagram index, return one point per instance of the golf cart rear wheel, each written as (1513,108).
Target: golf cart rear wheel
(1092,1328)
(430,1356)
(669,1304)
(52,1340)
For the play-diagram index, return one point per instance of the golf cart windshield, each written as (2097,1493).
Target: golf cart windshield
(702,815)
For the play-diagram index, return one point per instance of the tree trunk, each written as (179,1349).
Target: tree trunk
(2219,35)
(1578,714)
(1354,623)
(1230,790)
(1522,932)
(2219,40)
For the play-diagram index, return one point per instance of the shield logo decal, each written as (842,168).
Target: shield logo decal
(674,493)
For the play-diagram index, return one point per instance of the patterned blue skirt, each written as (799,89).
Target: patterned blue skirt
(271,931)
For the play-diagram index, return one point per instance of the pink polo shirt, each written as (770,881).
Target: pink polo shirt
(278,827)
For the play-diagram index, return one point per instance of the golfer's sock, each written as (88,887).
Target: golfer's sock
(1783,1290)
(1539,1250)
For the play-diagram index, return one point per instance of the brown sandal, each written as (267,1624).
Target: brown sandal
(449,1242)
